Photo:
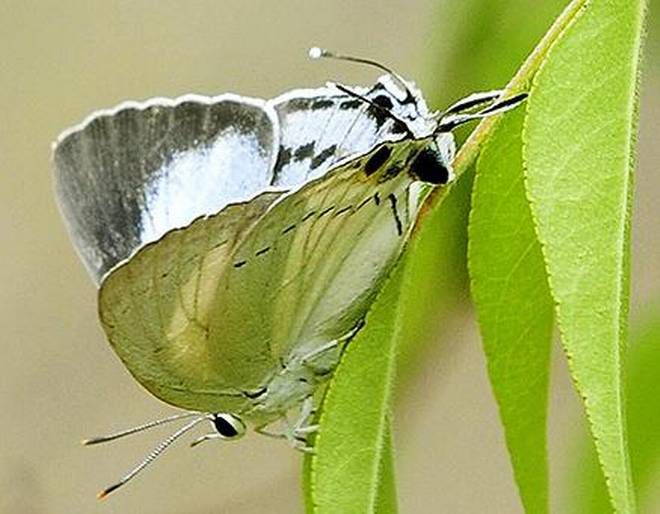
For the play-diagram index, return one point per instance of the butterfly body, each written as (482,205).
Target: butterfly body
(230,235)
(288,295)
(238,243)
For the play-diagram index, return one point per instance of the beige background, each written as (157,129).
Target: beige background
(59,380)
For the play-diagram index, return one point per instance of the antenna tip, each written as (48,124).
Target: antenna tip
(103,494)
(316,53)
(92,440)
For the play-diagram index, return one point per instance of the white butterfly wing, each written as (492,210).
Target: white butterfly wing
(321,127)
(129,182)
(204,310)
(127,176)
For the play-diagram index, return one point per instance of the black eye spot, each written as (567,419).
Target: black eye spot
(224,427)
(383,101)
(377,160)
(428,167)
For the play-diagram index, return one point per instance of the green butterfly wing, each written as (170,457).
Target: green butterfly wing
(309,270)
(155,307)
(213,309)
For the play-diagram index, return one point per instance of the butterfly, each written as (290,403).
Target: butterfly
(238,243)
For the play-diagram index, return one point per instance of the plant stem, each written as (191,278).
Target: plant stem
(520,81)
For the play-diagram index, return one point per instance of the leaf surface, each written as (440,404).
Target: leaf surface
(351,469)
(589,494)
(514,306)
(578,150)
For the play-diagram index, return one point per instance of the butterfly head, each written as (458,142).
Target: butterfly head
(405,103)
(396,98)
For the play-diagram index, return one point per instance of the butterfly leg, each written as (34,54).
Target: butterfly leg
(205,437)
(333,344)
(300,430)
(449,121)
(307,412)
(296,433)
(306,359)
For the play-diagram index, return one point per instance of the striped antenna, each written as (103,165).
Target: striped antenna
(450,121)
(139,428)
(151,457)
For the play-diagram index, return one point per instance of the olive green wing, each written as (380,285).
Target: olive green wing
(155,195)
(155,309)
(309,270)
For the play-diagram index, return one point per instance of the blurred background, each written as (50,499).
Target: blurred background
(60,381)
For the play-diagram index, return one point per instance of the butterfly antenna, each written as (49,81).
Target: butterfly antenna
(400,123)
(151,457)
(139,428)
(471,102)
(451,121)
(317,53)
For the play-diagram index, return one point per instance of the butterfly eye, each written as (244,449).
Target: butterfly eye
(428,166)
(228,426)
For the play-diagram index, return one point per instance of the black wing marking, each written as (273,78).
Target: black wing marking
(318,279)
(319,127)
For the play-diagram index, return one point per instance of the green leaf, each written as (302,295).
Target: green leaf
(356,472)
(472,147)
(492,37)
(578,149)
(436,274)
(514,306)
(386,502)
(482,55)
(643,416)
(348,472)
(351,469)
